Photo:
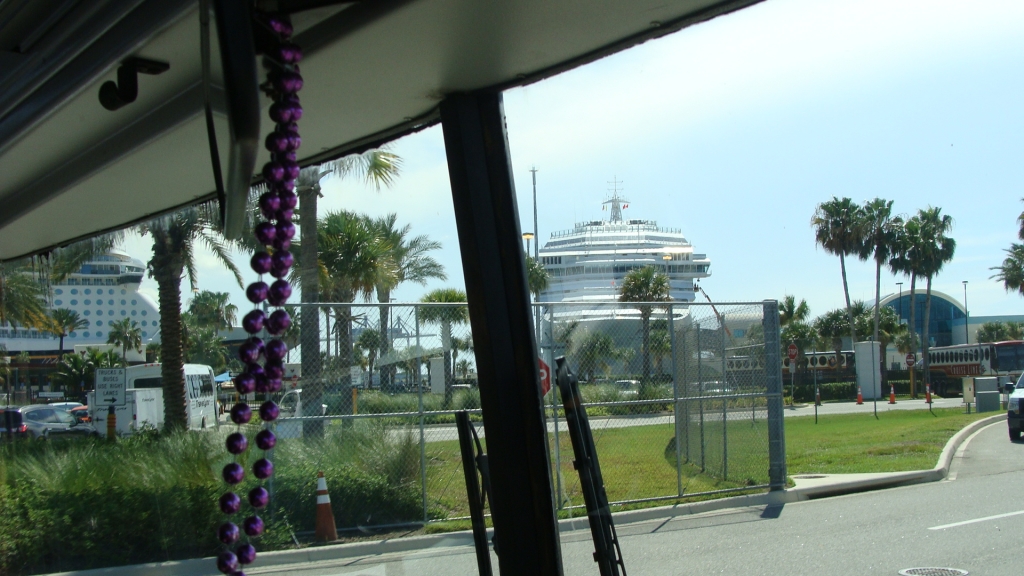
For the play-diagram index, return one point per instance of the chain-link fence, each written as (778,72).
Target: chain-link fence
(679,398)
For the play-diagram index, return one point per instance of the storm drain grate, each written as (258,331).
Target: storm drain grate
(933,572)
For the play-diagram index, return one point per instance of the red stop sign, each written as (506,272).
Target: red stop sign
(792,350)
(545,376)
(911,360)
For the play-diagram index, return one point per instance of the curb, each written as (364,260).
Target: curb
(206,566)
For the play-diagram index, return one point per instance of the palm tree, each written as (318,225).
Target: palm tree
(204,346)
(594,353)
(839,229)
(126,334)
(75,373)
(63,322)
(461,345)
(446,317)
(1011,271)
(537,277)
(463,366)
(644,285)
(880,229)
(992,332)
(410,262)
(22,297)
(831,327)
(908,258)
(661,346)
(175,239)
(370,341)
(790,311)
(379,167)
(938,248)
(213,309)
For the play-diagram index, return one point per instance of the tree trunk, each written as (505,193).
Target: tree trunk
(645,347)
(386,372)
(343,345)
(849,309)
(924,331)
(446,346)
(309,327)
(171,370)
(913,330)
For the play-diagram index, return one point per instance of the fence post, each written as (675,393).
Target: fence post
(725,404)
(554,407)
(675,400)
(773,375)
(419,393)
(700,395)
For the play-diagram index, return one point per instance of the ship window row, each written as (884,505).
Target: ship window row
(92,281)
(622,269)
(550,259)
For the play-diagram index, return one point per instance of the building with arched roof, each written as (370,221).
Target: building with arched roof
(946,313)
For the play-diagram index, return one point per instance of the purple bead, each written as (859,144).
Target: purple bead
(274,385)
(260,261)
(270,202)
(282,243)
(253,321)
(284,215)
(236,443)
(285,230)
(276,142)
(289,200)
(253,525)
(283,258)
(273,171)
(230,503)
(263,468)
(265,440)
(265,233)
(241,413)
(280,26)
(288,82)
(269,411)
(279,271)
(296,112)
(262,383)
(291,169)
(257,291)
(259,497)
(275,349)
(255,369)
(233,473)
(294,141)
(248,352)
(227,562)
(245,383)
(278,322)
(274,369)
(228,533)
(281,112)
(279,293)
(246,553)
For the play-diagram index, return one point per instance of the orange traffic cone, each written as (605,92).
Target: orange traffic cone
(326,531)
(892,394)
(860,397)
(927,393)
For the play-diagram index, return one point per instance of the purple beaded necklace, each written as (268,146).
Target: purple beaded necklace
(275,235)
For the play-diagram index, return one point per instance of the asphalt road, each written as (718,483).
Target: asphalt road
(971,521)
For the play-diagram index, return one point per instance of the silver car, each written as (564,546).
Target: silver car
(46,421)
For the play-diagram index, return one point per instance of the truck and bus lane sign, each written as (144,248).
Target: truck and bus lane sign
(110,386)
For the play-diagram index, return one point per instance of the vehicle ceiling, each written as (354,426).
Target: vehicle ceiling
(373,70)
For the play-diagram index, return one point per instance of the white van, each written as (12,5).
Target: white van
(144,400)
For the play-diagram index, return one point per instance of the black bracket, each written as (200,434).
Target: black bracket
(126,90)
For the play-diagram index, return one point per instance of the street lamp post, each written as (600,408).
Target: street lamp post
(900,284)
(967,317)
(527,236)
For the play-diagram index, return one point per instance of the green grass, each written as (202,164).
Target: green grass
(898,441)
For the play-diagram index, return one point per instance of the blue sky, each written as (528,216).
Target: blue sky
(734,130)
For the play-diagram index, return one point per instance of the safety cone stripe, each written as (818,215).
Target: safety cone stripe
(323,499)
(321,484)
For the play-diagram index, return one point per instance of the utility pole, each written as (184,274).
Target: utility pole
(536,245)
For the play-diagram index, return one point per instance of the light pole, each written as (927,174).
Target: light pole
(527,236)
(900,284)
(967,317)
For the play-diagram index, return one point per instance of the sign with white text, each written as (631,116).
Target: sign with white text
(110,386)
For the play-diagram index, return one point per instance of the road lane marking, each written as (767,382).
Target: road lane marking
(976,520)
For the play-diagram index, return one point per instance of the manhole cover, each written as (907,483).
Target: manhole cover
(933,572)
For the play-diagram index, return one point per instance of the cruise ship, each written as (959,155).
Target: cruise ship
(589,262)
(103,291)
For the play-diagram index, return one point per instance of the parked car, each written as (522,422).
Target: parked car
(628,387)
(65,406)
(12,426)
(81,414)
(44,421)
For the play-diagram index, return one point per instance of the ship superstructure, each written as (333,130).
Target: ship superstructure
(589,262)
(103,291)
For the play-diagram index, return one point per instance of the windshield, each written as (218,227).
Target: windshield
(1010,357)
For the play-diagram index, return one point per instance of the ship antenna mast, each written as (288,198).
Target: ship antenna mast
(616,201)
